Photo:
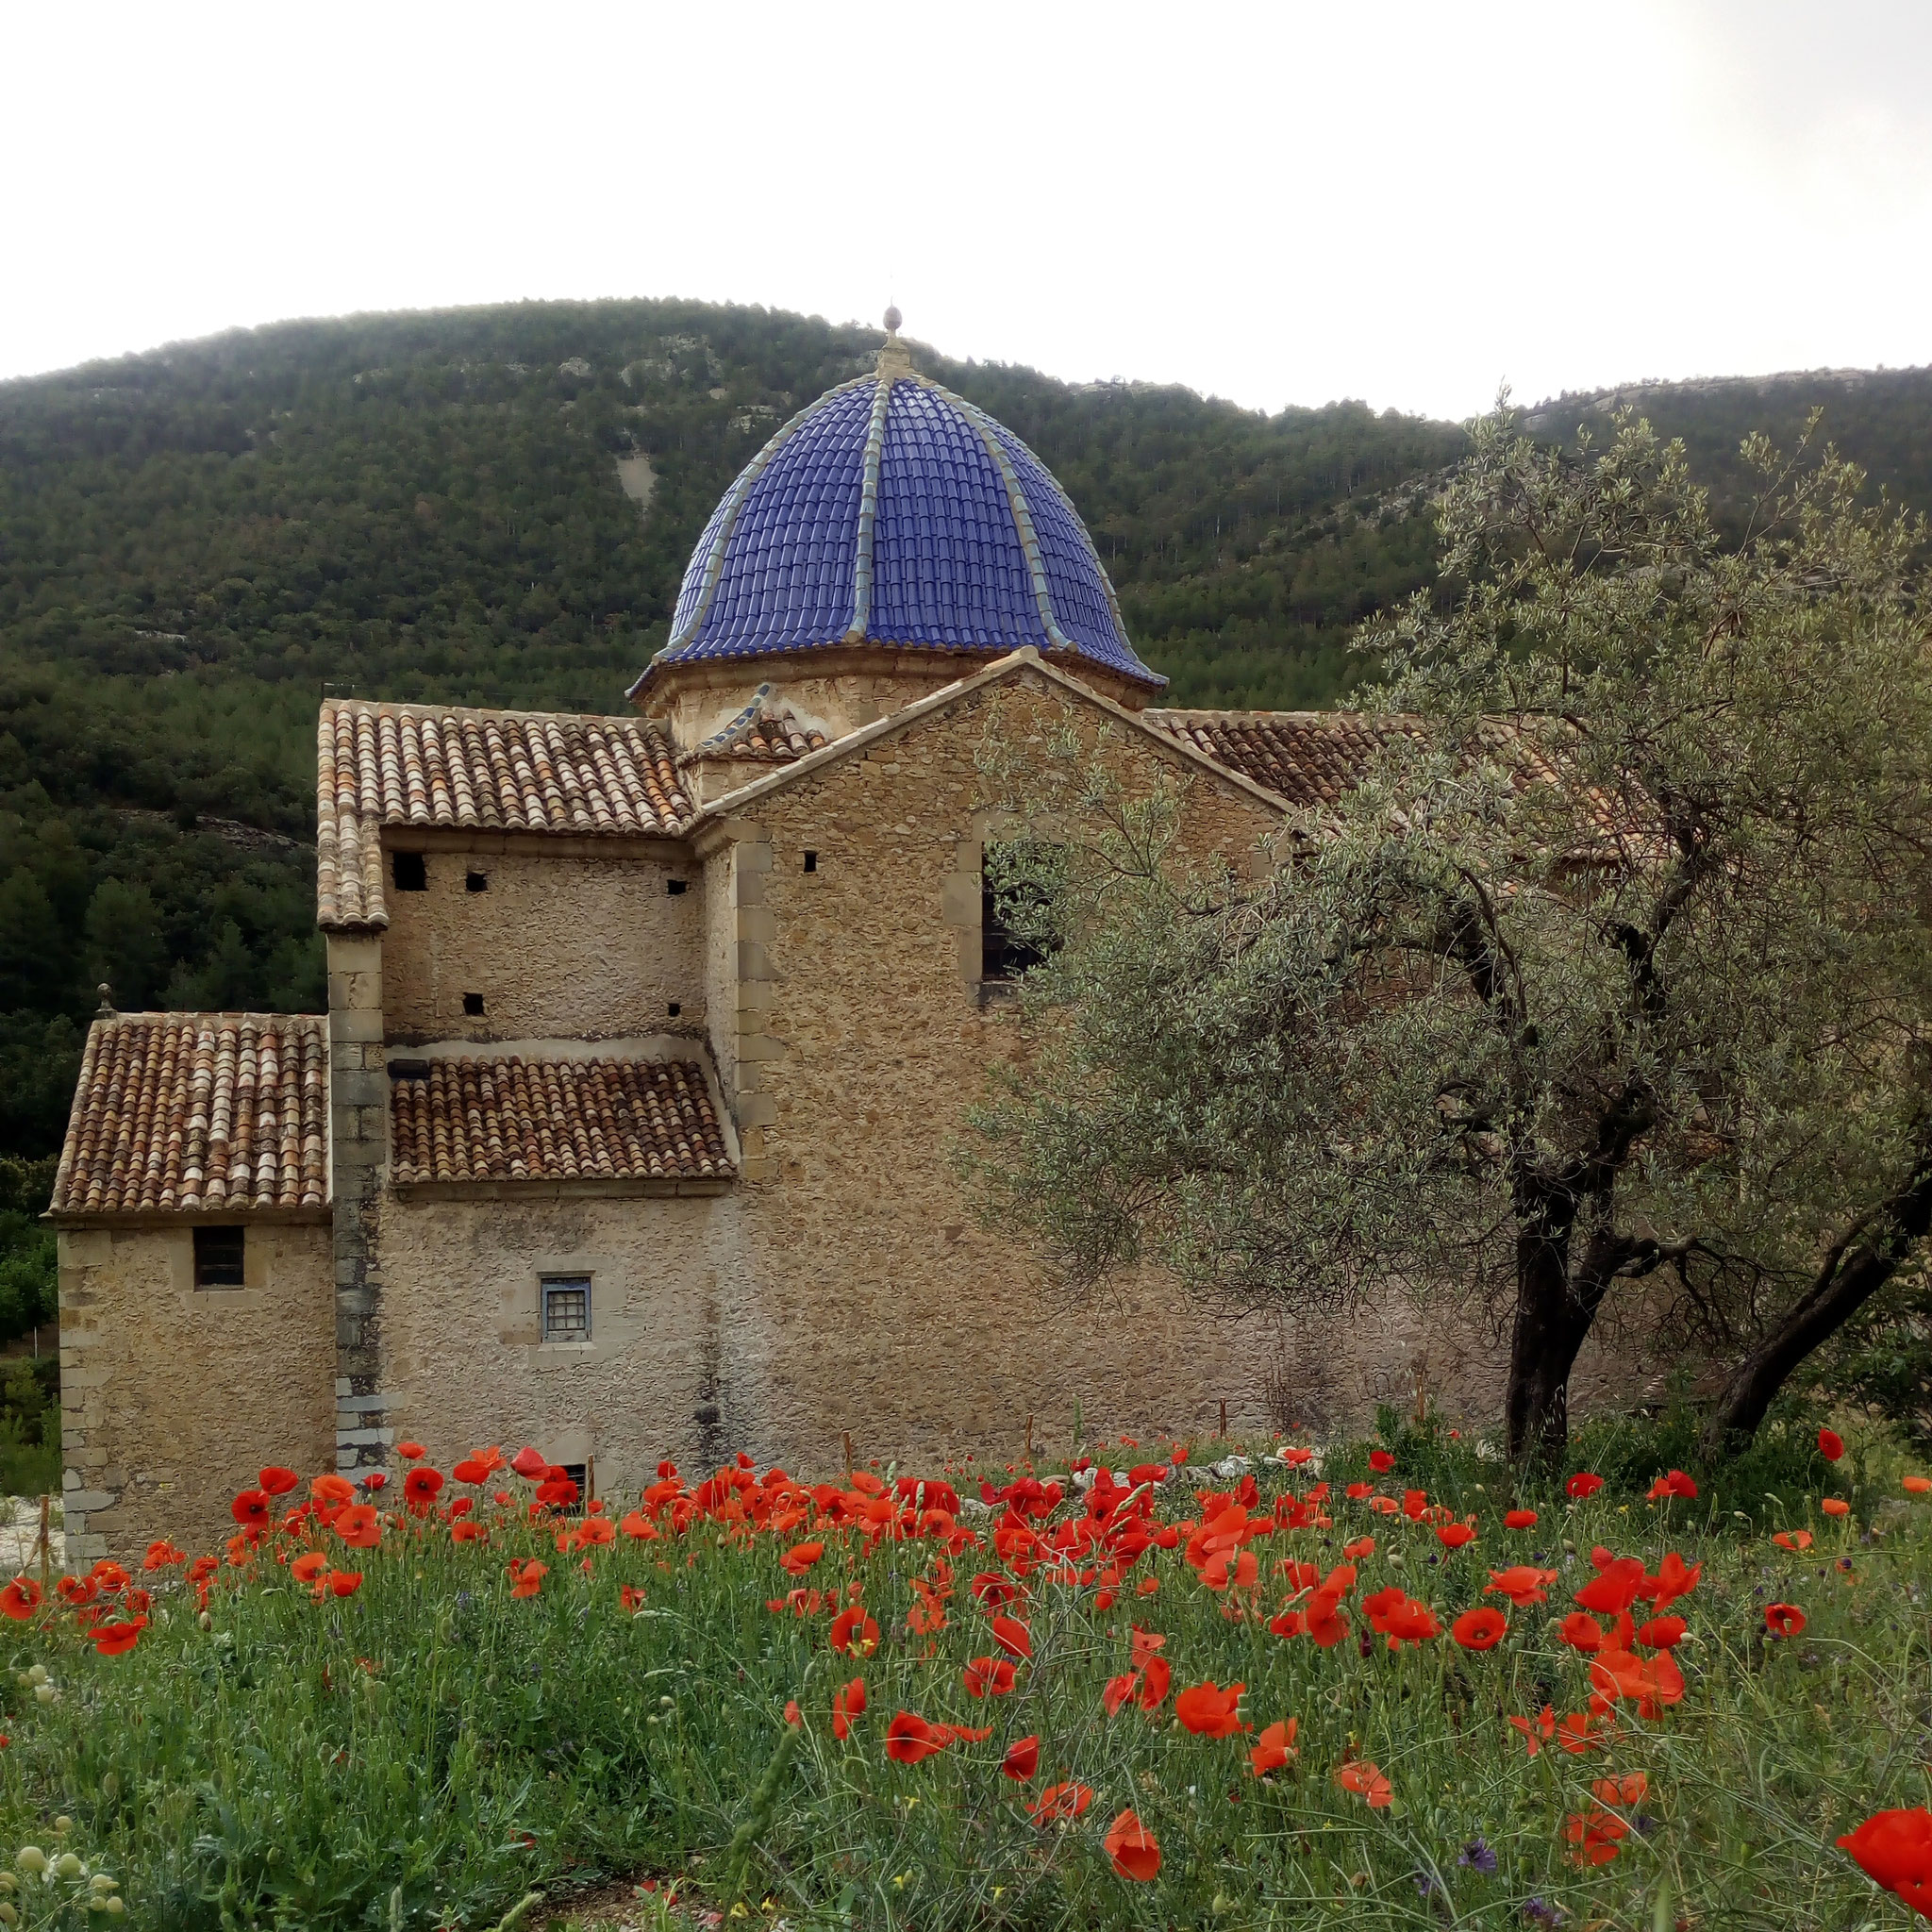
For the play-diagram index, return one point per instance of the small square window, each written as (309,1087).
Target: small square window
(472,1006)
(475,882)
(567,1308)
(675,886)
(811,861)
(410,871)
(218,1257)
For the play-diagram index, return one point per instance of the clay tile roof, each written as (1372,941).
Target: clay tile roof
(766,732)
(1310,758)
(199,1113)
(541,1120)
(500,771)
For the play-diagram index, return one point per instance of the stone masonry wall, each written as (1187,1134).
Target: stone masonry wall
(556,947)
(174,1396)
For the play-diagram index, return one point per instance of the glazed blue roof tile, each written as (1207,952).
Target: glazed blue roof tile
(890,511)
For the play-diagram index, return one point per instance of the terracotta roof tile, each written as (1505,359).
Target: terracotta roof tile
(1310,758)
(199,1112)
(501,770)
(538,1120)
(766,732)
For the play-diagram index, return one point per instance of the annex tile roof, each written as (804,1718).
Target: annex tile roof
(199,1113)
(1310,758)
(518,1119)
(766,732)
(891,512)
(379,764)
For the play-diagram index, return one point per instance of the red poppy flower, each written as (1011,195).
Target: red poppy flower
(1452,1536)
(420,1488)
(359,1526)
(1648,1683)
(1060,1802)
(1631,1789)
(1366,1781)
(277,1480)
(1537,1731)
(1523,1584)
(471,1469)
(1022,1760)
(115,1640)
(1273,1748)
(332,1491)
(1914,1486)
(1363,1546)
(1479,1629)
(250,1509)
(1895,1850)
(1675,1578)
(1784,1620)
(557,1491)
(76,1590)
(1581,1732)
(1356,1492)
(20,1599)
(1582,1484)
(1673,1482)
(1798,1541)
(465,1532)
(1208,1712)
(1381,1461)
(163,1555)
(854,1633)
(1012,1635)
(792,1714)
(308,1566)
(1134,1850)
(1831,1446)
(526,1578)
(910,1740)
(411,1452)
(1581,1631)
(988,1676)
(344,1582)
(529,1464)
(848,1702)
(1520,1519)
(995,1591)
(1594,1834)
(1835,1505)
(1661,1632)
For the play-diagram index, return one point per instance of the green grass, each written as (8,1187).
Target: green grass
(30,1470)
(427,1751)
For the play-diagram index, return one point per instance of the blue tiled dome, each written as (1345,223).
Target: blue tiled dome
(891,512)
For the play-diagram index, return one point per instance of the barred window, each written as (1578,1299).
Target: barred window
(567,1308)
(218,1256)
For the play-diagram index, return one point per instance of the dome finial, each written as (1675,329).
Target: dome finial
(893,318)
(895,358)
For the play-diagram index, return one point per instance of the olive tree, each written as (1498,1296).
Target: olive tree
(1609,980)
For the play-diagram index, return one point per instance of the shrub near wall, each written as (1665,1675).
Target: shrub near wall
(1099,1698)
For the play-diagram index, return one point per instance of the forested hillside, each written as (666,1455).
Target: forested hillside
(196,543)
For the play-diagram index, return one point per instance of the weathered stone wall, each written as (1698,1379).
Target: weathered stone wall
(174,1396)
(556,946)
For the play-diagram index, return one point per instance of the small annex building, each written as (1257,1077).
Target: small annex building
(626,1130)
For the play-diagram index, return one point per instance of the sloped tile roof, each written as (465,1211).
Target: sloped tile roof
(380,764)
(1310,758)
(766,732)
(199,1112)
(516,1119)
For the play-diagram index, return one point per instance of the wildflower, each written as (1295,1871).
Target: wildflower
(529,1464)
(250,1509)
(1537,1731)
(1273,1748)
(411,1452)
(1134,1850)
(1363,1546)
(993,1592)
(854,1633)
(1784,1620)
(344,1582)
(1582,1486)
(527,1577)
(988,1676)
(20,1599)
(1208,1712)
(792,1714)
(1580,1732)
(556,1490)
(1012,1635)
(1831,1446)
(1452,1536)
(1356,1492)
(1650,1684)
(331,1491)
(1673,1578)
(276,1481)
(1594,1834)
(1479,1629)
(1381,1461)
(1366,1780)
(1409,1622)
(1581,1631)
(308,1566)
(1835,1505)
(1631,1789)
(848,1702)
(463,1532)
(800,1557)
(1478,1857)
(1065,1801)
(1517,1518)
(359,1526)
(1797,1541)
(910,1740)
(1662,1633)
(1895,1850)
(1673,1482)
(376,1479)
(420,1488)
(1916,1486)
(631,1597)
(471,1469)
(1022,1760)
(1522,1584)
(115,1640)
(1614,1587)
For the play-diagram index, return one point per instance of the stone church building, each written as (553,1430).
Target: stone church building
(627,1129)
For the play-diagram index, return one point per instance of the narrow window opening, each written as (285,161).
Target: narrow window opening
(673,1010)
(410,871)
(472,1006)
(219,1254)
(811,861)
(567,1308)
(577,1473)
(475,882)
(1009,913)
(675,886)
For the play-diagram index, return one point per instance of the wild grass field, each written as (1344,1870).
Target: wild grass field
(1382,1686)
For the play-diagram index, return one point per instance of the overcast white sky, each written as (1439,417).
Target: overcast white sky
(1285,202)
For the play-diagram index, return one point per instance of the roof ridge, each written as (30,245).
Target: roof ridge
(424,707)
